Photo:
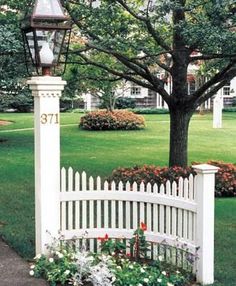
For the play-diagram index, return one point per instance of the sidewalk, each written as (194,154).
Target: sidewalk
(14,271)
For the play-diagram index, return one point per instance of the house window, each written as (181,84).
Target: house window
(226,90)
(135,90)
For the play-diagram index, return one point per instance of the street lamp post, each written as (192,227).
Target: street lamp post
(46,32)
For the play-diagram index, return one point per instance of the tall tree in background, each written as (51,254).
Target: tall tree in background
(13,89)
(143,36)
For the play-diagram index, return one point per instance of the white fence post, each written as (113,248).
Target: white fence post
(46,91)
(205,189)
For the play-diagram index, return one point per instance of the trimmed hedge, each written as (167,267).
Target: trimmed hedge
(229,109)
(116,120)
(225,185)
(150,110)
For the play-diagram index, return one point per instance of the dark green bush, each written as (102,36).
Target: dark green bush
(116,120)
(150,110)
(125,103)
(229,109)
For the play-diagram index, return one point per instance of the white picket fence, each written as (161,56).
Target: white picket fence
(179,214)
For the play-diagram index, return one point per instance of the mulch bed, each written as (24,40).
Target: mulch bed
(4,122)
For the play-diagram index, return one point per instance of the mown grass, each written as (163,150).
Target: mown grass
(98,153)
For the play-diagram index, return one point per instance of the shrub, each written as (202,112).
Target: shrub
(150,110)
(225,183)
(229,109)
(149,174)
(116,120)
(125,102)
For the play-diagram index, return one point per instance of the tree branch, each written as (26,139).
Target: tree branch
(222,75)
(155,87)
(211,57)
(156,36)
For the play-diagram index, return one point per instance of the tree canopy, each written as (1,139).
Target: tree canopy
(13,89)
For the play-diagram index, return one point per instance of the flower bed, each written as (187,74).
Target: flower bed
(116,120)
(67,265)
(225,183)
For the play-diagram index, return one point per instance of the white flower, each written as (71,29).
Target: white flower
(164,273)
(38,256)
(131,266)
(31,273)
(160,258)
(59,254)
(118,267)
(51,260)
(142,270)
(146,280)
(159,280)
(67,272)
(177,272)
(169,284)
(32,266)
(140,284)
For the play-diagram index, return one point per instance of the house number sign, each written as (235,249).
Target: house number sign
(49,118)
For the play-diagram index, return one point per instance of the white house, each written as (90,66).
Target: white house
(145,98)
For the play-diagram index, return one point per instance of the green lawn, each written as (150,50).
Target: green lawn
(98,153)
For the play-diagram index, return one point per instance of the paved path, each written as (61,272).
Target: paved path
(30,128)
(14,271)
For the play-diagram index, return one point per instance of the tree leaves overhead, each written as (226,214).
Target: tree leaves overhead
(145,36)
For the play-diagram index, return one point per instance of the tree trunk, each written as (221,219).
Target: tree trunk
(179,123)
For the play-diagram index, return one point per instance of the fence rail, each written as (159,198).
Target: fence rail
(169,211)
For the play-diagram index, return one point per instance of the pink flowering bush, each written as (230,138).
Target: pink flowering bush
(150,174)
(225,180)
(225,185)
(116,120)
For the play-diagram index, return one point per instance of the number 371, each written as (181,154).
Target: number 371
(49,118)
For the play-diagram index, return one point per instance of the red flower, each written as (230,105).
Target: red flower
(105,238)
(143,226)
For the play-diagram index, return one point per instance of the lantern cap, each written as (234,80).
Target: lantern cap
(46,13)
(48,9)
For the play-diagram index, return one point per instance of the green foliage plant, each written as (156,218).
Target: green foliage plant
(125,103)
(116,120)
(138,244)
(112,246)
